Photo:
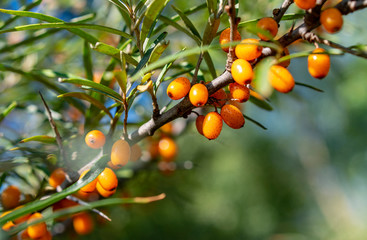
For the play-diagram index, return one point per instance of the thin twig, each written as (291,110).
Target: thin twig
(54,128)
(344,49)
(233,22)
(81,202)
(195,76)
(278,13)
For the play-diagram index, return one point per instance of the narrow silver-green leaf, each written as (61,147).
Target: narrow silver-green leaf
(158,51)
(153,10)
(89,85)
(87,61)
(309,86)
(261,104)
(67,25)
(23,8)
(113,52)
(7,110)
(86,97)
(39,138)
(187,22)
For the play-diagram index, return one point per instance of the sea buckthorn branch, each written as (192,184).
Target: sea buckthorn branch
(345,7)
(278,13)
(233,22)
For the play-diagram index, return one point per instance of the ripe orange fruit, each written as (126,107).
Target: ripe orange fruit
(83,223)
(167,148)
(331,19)
(199,123)
(286,62)
(220,97)
(120,153)
(281,79)
(167,128)
(37,230)
(212,125)
(198,95)
(95,139)
(10,197)
(107,183)
(232,116)
(268,24)
(178,88)
(57,177)
(90,187)
(318,64)
(239,92)
(225,38)
(242,71)
(305,4)
(249,49)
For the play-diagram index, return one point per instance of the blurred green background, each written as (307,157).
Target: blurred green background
(302,178)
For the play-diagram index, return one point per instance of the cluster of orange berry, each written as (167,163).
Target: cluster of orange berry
(10,199)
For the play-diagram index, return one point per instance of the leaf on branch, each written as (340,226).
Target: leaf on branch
(153,10)
(7,110)
(39,138)
(261,77)
(86,97)
(309,86)
(96,87)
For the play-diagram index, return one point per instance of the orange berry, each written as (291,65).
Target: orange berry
(95,139)
(281,79)
(120,153)
(198,95)
(305,4)
(37,230)
(220,97)
(242,71)
(318,64)
(249,49)
(167,148)
(199,123)
(212,125)
(331,19)
(178,88)
(232,116)
(10,197)
(286,62)
(90,187)
(47,236)
(8,225)
(57,177)
(108,180)
(83,223)
(239,92)
(268,24)
(167,128)
(224,38)
(103,192)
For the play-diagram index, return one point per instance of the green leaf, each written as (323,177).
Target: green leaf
(210,64)
(172,23)
(146,56)
(261,76)
(292,16)
(86,97)
(177,17)
(41,204)
(172,58)
(25,8)
(255,122)
(261,104)
(39,138)
(121,78)
(212,6)
(87,61)
(114,52)
(90,206)
(7,110)
(309,86)
(158,51)
(67,25)
(187,22)
(161,76)
(122,6)
(89,85)
(153,10)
